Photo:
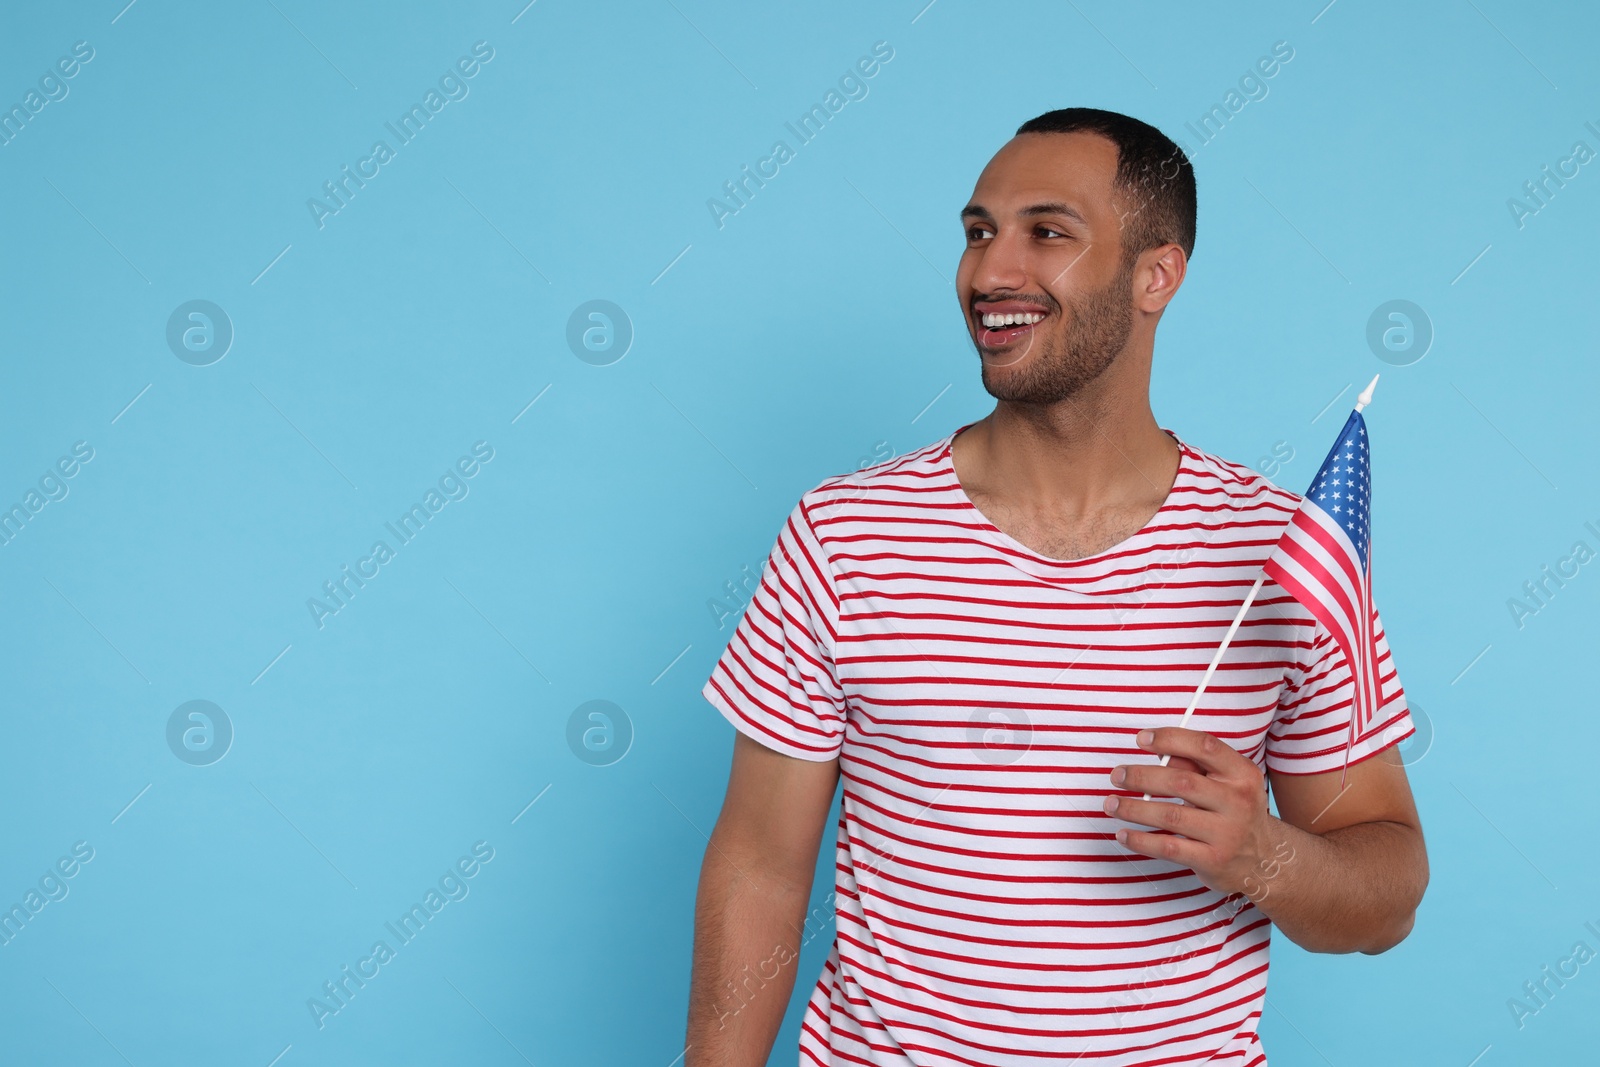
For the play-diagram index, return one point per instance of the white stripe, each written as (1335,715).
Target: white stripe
(1371,644)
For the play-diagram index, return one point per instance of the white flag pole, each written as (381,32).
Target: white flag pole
(1361,401)
(1366,394)
(1205,679)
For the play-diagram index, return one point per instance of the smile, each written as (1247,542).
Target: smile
(1002,329)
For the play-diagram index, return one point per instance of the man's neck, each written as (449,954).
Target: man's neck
(1071,460)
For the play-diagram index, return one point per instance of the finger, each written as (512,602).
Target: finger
(1196,824)
(1191,854)
(1189,785)
(1178,763)
(1209,751)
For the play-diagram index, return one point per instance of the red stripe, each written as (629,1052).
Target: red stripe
(1332,591)
(1336,545)
(1330,619)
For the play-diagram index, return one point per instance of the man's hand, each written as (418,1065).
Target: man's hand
(1228,837)
(1344,863)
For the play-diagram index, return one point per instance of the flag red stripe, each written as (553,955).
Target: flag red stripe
(1320,609)
(1331,589)
(1339,547)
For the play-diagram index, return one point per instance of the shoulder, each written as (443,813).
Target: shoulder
(897,482)
(1233,484)
(1251,506)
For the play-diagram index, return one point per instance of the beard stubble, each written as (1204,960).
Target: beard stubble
(1096,330)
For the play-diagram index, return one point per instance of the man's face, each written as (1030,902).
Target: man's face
(1044,242)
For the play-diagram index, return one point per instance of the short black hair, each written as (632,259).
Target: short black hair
(1151,170)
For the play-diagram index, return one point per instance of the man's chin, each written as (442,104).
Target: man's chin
(1004,375)
(1005,355)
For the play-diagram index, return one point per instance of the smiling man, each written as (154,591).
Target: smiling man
(990,640)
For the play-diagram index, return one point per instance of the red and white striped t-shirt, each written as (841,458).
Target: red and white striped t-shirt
(977,696)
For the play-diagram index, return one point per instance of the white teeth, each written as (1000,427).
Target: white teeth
(996,321)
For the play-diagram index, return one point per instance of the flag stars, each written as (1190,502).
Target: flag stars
(1342,487)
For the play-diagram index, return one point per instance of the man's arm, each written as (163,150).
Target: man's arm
(1336,871)
(755,883)
(1367,866)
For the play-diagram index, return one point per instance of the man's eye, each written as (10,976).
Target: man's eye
(1049,230)
(978,233)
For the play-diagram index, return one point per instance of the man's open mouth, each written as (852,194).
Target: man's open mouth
(1002,329)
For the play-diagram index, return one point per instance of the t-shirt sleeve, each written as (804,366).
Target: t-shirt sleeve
(1312,725)
(776,681)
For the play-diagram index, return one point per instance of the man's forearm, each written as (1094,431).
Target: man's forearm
(747,936)
(1354,889)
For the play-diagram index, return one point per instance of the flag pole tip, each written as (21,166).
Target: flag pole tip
(1366,394)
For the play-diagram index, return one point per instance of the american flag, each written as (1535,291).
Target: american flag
(1324,561)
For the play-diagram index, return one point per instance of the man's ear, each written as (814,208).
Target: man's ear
(1157,276)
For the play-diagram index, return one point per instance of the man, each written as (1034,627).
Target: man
(991,639)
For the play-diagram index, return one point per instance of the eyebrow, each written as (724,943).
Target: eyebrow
(1053,207)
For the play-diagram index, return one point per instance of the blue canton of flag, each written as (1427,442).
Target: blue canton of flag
(1323,561)
(1343,487)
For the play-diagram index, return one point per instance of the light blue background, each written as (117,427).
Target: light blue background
(816,329)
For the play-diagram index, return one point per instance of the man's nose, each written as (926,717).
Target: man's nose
(1002,266)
